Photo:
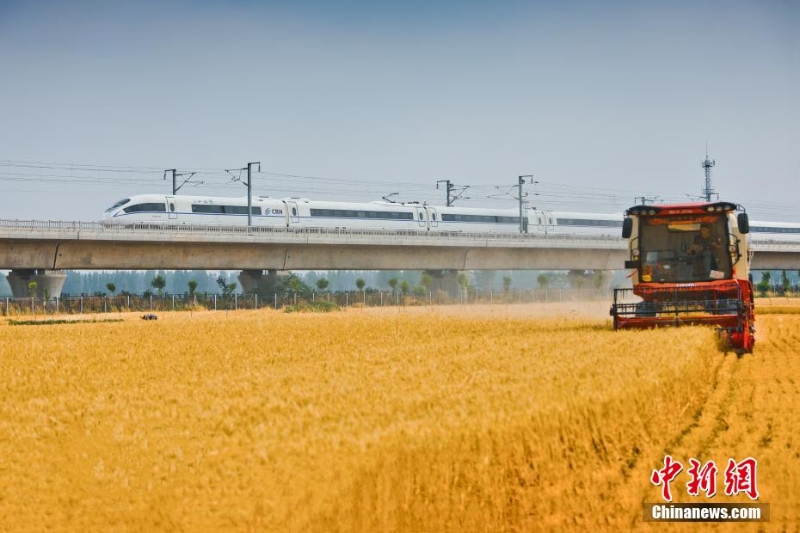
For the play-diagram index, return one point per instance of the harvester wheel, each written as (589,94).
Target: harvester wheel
(742,342)
(748,336)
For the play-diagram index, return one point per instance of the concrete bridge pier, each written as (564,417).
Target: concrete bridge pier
(253,280)
(48,283)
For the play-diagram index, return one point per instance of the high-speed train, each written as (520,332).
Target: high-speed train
(775,231)
(305,213)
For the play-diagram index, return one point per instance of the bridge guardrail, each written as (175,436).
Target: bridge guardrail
(147,228)
(770,245)
(199,230)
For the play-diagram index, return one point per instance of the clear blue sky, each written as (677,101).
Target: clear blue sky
(601,101)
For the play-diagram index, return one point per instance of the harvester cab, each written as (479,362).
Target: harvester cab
(690,264)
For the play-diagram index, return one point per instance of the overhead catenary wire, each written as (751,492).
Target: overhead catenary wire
(146,179)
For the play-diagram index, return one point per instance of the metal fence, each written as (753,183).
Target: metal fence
(217,302)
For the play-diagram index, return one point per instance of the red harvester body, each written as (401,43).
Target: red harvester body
(691,265)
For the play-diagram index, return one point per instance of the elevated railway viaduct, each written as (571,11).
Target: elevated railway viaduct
(40,250)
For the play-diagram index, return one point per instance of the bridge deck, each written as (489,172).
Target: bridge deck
(87,245)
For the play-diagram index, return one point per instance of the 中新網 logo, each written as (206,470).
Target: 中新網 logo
(739,477)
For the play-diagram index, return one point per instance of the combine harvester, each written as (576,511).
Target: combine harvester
(691,266)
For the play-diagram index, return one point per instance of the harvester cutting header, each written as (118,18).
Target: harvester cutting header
(691,265)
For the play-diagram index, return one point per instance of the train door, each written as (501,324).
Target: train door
(434,217)
(548,221)
(171,211)
(538,220)
(420,214)
(293,213)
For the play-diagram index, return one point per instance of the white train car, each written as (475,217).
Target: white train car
(774,231)
(199,210)
(558,222)
(476,220)
(305,213)
(302,212)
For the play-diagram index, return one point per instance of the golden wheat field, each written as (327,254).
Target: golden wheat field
(430,419)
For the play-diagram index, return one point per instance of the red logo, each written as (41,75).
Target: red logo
(739,477)
(665,476)
(704,478)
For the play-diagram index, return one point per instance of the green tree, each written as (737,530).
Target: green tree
(786,284)
(192,284)
(764,284)
(506,284)
(322,284)
(543,280)
(360,284)
(227,288)
(293,284)
(393,285)
(405,286)
(463,282)
(111,288)
(419,291)
(158,283)
(426,281)
(32,286)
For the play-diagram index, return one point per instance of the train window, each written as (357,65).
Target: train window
(294,211)
(589,222)
(206,208)
(421,217)
(224,209)
(118,204)
(486,219)
(240,210)
(149,207)
(433,215)
(375,215)
(172,207)
(767,229)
